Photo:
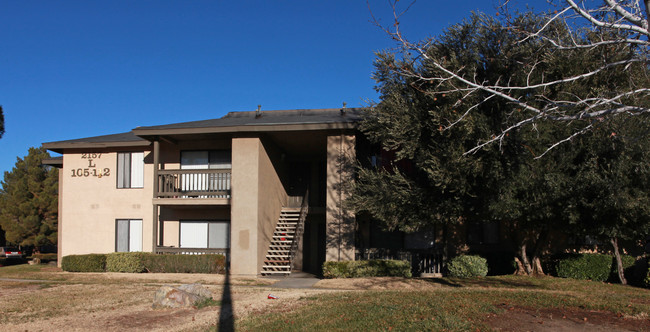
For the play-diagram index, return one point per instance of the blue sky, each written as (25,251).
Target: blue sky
(73,69)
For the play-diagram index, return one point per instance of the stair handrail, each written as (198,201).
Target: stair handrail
(300,228)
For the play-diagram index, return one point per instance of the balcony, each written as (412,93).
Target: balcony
(194,184)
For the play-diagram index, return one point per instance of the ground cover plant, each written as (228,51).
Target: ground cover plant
(368,268)
(465,304)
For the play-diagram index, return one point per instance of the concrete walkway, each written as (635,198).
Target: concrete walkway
(296,280)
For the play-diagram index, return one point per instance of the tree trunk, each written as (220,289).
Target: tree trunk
(523,264)
(619,261)
(537,266)
(540,240)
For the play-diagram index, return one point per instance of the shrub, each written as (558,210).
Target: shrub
(468,266)
(129,262)
(184,263)
(597,267)
(84,263)
(369,268)
(646,281)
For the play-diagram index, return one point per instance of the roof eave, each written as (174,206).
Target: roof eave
(58,147)
(141,132)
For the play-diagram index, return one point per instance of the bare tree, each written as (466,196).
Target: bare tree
(616,34)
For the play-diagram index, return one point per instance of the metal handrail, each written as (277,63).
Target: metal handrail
(300,228)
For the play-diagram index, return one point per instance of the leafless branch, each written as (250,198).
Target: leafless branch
(615,23)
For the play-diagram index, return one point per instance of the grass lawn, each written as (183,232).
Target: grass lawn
(118,302)
(463,305)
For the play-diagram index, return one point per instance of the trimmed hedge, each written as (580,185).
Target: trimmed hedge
(129,262)
(84,263)
(136,262)
(467,266)
(369,268)
(597,267)
(184,263)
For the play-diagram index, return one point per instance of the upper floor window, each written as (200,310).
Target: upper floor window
(130,169)
(213,159)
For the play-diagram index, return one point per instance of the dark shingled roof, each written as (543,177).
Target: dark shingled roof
(285,117)
(123,139)
(306,119)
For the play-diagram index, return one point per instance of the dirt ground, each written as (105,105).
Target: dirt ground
(122,302)
(555,320)
(99,303)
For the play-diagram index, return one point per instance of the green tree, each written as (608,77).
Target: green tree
(578,27)
(416,119)
(29,202)
(431,113)
(612,182)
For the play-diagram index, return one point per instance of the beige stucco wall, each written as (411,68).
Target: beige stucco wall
(340,222)
(91,204)
(257,197)
(271,198)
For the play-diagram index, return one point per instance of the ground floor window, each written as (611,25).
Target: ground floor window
(204,234)
(128,235)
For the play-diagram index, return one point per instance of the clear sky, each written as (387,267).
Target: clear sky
(74,69)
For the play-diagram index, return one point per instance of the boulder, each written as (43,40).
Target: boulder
(183,296)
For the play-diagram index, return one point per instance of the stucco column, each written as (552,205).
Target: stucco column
(340,222)
(154,221)
(244,202)
(59,237)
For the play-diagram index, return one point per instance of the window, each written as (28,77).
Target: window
(204,234)
(128,235)
(130,169)
(214,159)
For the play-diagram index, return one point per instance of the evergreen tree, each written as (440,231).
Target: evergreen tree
(29,202)
(428,120)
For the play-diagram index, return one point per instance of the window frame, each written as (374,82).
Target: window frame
(122,173)
(129,233)
(207,236)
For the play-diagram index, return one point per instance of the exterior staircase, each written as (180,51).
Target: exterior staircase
(284,243)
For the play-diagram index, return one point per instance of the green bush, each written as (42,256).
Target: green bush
(369,268)
(184,263)
(646,281)
(84,263)
(597,267)
(468,266)
(129,262)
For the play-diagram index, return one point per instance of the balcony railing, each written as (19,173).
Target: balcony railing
(194,183)
(192,251)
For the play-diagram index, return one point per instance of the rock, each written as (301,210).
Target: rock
(34,261)
(183,296)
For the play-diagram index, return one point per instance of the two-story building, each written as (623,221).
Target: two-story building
(239,185)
